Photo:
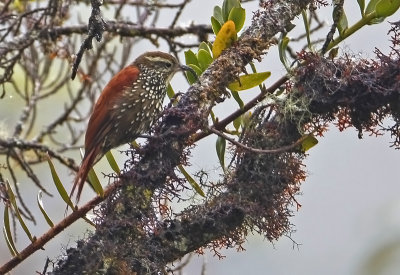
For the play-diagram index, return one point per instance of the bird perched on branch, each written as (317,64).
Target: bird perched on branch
(126,108)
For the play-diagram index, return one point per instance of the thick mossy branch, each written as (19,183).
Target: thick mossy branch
(129,241)
(259,189)
(359,94)
(258,197)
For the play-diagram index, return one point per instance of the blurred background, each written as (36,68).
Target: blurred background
(349,222)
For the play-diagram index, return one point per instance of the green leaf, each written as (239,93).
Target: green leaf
(361,4)
(86,219)
(204,46)
(196,69)
(41,207)
(333,53)
(308,143)
(215,25)
(60,188)
(13,201)
(95,183)
(227,7)
(376,20)
(8,242)
(191,58)
(343,24)
(385,8)
(170,91)
(224,39)
(236,96)
(112,162)
(7,232)
(214,119)
(248,81)
(246,118)
(191,79)
(94,180)
(238,16)
(217,14)
(371,6)
(279,91)
(192,182)
(283,43)
(204,58)
(220,147)
(237,123)
(135,144)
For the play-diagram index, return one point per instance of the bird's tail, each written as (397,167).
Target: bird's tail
(87,164)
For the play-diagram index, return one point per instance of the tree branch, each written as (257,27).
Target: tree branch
(54,231)
(257,150)
(160,157)
(96,29)
(129,30)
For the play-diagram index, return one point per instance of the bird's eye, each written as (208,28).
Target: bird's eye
(164,64)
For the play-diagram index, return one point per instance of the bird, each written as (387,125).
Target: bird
(127,107)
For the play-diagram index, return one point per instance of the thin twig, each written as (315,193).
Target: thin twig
(26,145)
(129,30)
(337,14)
(145,4)
(95,30)
(256,150)
(229,119)
(178,13)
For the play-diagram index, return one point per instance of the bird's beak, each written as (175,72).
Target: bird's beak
(189,69)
